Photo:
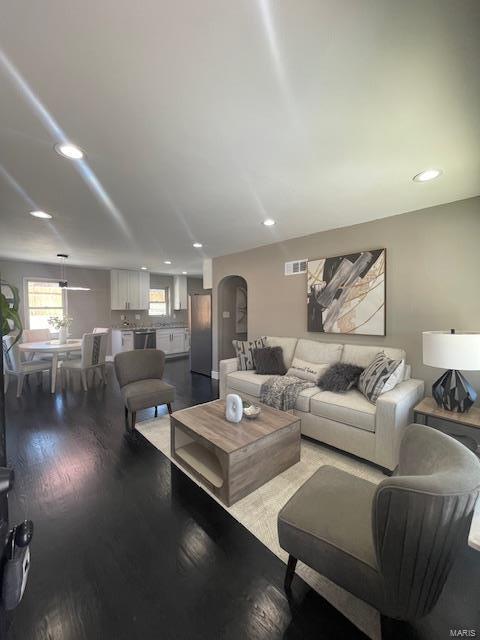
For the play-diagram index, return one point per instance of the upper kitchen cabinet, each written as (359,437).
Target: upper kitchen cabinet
(129,289)
(179,292)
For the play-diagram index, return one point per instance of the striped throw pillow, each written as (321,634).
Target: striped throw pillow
(244,350)
(380,376)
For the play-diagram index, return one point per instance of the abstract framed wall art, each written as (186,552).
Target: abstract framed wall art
(346,294)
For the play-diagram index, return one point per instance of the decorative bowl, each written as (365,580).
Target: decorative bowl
(251,411)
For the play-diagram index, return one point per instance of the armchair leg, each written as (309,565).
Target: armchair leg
(292,563)
(156,412)
(126,418)
(169,407)
(391,628)
(134,419)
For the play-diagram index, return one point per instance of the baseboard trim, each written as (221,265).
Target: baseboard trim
(215,375)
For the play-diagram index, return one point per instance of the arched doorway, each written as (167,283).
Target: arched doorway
(232,314)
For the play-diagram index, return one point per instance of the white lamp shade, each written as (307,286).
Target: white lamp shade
(447,350)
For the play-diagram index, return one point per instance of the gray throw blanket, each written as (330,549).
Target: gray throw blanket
(281,392)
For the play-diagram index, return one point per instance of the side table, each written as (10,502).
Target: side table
(428,408)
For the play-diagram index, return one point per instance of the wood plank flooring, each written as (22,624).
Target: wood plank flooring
(126,547)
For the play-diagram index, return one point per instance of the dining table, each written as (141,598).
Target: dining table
(53,348)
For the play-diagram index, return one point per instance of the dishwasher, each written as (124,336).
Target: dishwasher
(144,339)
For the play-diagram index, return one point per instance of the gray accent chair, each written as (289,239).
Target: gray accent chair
(139,375)
(391,544)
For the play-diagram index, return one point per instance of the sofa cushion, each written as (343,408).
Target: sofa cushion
(288,345)
(269,360)
(340,377)
(382,375)
(244,352)
(351,408)
(304,397)
(310,371)
(247,382)
(362,355)
(319,352)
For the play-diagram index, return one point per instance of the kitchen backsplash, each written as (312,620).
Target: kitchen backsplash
(144,320)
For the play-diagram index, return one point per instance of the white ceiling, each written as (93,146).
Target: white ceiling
(201,118)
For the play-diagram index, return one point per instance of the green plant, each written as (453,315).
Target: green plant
(59,322)
(9,311)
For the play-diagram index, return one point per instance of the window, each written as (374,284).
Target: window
(158,302)
(44,298)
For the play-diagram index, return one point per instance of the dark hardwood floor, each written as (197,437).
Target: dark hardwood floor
(127,547)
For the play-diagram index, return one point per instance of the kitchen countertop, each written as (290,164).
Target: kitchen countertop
(169,326)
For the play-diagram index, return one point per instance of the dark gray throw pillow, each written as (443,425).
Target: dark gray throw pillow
(340,377)
(269,361)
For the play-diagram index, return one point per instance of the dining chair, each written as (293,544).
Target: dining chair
(391,544)
(93,357)
(14,365)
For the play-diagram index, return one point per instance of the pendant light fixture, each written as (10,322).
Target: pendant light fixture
(63,283)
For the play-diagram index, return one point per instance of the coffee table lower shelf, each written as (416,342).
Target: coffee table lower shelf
(203,461)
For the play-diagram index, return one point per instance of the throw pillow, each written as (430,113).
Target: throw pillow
(310,371)
(269,361)
(375,380)
(243,349)
(340,377)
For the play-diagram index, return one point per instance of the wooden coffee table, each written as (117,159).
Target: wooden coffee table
(233,460)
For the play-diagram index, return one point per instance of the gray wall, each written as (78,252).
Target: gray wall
(433,271)
(88,308)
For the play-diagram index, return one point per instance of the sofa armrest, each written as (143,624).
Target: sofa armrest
(226,367)
(394,413)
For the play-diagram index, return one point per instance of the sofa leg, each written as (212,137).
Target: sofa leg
(292,563)
(169,407)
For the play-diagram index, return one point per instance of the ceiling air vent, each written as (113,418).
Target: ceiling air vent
(295,267)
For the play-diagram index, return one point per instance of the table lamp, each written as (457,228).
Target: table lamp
(453,351)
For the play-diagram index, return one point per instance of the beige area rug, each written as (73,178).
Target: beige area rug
(258,513)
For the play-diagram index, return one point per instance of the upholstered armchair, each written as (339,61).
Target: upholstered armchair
(391,544)
(139,375)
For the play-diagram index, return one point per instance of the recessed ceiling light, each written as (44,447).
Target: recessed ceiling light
(197,245)
(184,273)
(41,214)
(143,268)
(428,174)
(268,222)
(68,150)
(167,262)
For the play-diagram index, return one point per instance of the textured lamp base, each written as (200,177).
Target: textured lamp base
(453,392)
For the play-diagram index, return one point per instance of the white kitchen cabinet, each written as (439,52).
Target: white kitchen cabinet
(164,341)
(173,341)
(122,341)
(178,342)
(179,292)
(129,289)
(144,290)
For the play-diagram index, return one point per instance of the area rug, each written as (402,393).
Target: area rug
(258,512)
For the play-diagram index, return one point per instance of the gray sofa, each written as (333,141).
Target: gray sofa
(347,421)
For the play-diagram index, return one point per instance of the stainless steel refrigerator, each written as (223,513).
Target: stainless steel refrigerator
(201,333)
